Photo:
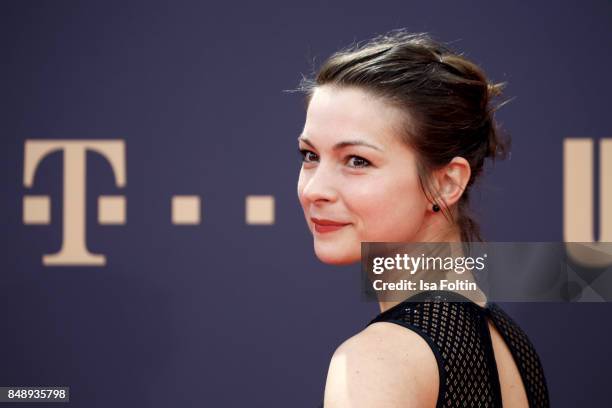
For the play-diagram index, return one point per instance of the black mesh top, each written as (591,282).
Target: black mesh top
(456,330)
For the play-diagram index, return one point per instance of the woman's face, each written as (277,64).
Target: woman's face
(357,174)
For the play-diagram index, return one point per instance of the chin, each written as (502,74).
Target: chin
(336,255)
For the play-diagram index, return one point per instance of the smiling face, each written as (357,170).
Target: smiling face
(358,174)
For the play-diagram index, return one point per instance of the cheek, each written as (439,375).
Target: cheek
(300,187)
(302,180)
(389,209)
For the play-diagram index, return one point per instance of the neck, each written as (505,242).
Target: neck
(452,235)
(477,296)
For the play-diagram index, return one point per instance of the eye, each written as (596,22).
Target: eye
(358,162)
(307,155)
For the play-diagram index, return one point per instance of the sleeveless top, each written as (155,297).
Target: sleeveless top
(456,330)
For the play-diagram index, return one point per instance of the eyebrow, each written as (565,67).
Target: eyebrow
(341,145)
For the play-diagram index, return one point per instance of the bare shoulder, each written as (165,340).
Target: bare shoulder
(383,365)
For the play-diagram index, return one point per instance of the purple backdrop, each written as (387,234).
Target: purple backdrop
(229,314)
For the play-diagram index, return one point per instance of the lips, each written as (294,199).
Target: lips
(323,225)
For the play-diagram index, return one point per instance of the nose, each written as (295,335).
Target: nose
(319,184)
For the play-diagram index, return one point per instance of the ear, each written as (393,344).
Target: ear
(450,181)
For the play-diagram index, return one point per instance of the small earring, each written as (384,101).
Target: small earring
(436,208)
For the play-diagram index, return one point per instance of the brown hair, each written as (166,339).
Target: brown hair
(448,96)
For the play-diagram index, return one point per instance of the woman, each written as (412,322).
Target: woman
(397,131)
